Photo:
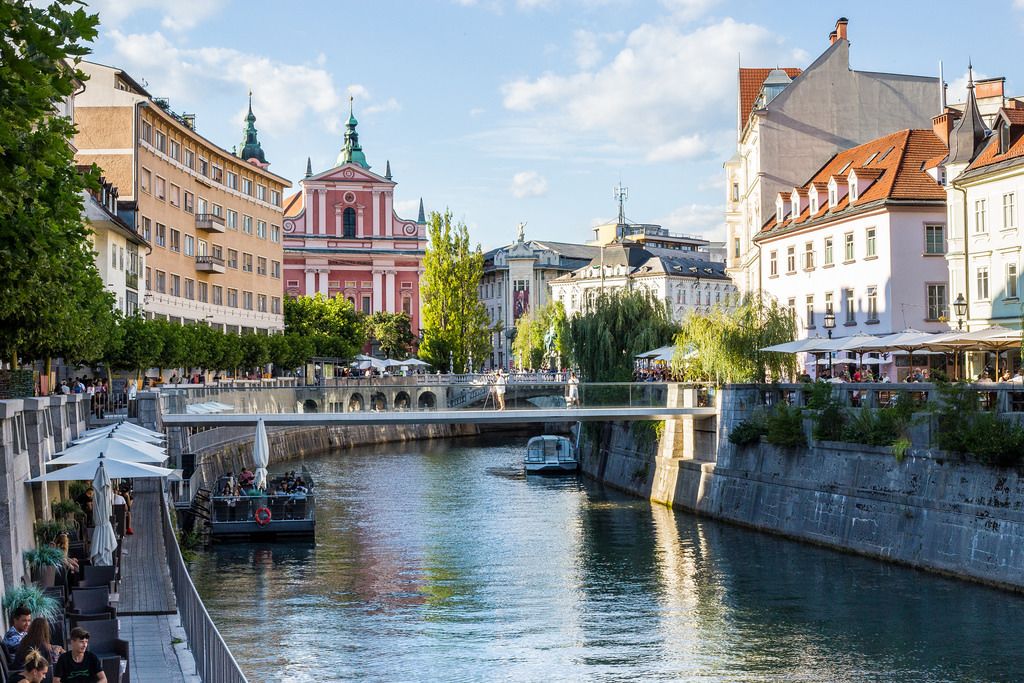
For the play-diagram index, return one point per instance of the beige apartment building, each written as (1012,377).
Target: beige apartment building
(212,218)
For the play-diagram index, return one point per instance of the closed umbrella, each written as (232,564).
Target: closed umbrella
(116,469)
(104,542)
(112,447)
(261,454)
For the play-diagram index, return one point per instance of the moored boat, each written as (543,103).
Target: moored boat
(278,511)
(550,454)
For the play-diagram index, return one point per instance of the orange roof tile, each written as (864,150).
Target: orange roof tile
(750,87)
(990,154)
(899,174)
(293,205)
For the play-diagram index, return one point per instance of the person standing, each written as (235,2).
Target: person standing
(572,400)
(499,389)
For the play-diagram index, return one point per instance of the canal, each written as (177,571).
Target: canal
(440,561)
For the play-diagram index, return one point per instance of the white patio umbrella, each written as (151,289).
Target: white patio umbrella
(116,469)
(129,451)
(795,346)
(123,435)
(414,361)
(104,542)
(261,454)
(127,426)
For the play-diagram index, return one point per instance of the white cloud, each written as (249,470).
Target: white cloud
(956,91)
(668,93)
(176,15)
(688,10)
(589,46)
(706,220)
(407,208)
(390,104)
(358,91)
(529,184)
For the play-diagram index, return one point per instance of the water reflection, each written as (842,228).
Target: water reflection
(441,561)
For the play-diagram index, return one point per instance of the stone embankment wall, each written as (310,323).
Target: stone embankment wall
(931,510)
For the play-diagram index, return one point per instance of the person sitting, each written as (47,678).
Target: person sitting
(36,668)
(246,478)
(21,619)
(78,664)
(37,640)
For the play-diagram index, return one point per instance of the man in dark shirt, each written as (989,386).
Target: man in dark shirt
(78,665)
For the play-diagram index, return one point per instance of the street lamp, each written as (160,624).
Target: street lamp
(830,323)
(960,306)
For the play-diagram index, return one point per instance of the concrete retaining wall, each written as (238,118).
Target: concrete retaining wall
(929,511)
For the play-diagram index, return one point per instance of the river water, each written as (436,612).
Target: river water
(440,561)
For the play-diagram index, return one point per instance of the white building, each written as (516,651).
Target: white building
(865,239)
(790,122)
(687,282)
(120,250)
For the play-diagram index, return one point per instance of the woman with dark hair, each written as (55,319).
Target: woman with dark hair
(37,667)
(37,640)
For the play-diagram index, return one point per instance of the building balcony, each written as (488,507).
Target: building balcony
(131,280)
(209,222)
(209,264)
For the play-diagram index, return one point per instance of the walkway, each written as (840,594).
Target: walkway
(146,610)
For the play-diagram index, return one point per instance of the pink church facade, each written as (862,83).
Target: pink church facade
(342,237)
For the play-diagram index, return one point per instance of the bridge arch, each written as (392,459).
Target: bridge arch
(355,403)
(310,406)
(427,400)
(402,401)
(378,401)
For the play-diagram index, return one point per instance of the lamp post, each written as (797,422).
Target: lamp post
(960,307)
(830,323)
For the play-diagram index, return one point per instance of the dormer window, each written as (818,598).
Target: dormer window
(780,210)
(833,194)
(794,200)
(814,202)
(1004,139)
(853,188)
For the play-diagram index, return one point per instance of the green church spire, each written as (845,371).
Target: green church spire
(250,148)
(352,151)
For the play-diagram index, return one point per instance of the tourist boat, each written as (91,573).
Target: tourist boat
(265,515)
(550,454)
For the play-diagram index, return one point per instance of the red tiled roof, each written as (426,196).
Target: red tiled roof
(897,175)
(991,155)
(293,205)
(750,87)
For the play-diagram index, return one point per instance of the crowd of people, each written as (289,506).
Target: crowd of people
(31,655)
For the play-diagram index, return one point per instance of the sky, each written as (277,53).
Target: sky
(509,111)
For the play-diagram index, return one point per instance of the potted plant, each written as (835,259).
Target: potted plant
(62,509)
(33,598)
(44,562)
(49,530)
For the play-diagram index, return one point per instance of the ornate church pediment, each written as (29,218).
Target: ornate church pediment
(348,173)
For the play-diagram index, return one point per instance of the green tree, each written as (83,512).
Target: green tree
(289,351)
(724,345)
(455,324)
(173,352)
(392,332)
(255,351)
(533,332)
(608,333)
(232,353)
(332,324)
(52,297)
(141,345)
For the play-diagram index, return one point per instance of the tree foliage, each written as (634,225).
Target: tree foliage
(533,331)
(608,333)
(724,345)
(52,300)
(392,332)
(454,319)
(331,323)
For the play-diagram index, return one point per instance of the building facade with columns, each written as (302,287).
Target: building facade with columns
(342,237)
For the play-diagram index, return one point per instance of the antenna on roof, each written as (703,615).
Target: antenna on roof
(619,194)
(942,90)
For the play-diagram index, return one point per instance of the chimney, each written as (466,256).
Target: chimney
(841,28)
(832,38)
(990,87)
(942,125)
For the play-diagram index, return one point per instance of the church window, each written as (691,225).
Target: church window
(349,222)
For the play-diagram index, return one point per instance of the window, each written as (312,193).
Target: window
(1004,139)
(814,201)
(159,140)
(190,202)
(791,305)
(161,281)
(870,243)
(791,259)
(982,277)
(773,263)
(275,198)
(247,263)
(810,310)
(217,251)
(407,306)
(873,304)
(146,132)
(937,307)
(261,193)
(247,300)
(828,252)
(261,229)
(233,298)
(204,166)
(175,240)
(190,159)
(848,248)
(247,224)
(979,215)
(113,256)
(145,180)
(853,190)
(175,195)
(736,247)
(232,219)
(809,256)
(828,302)
(1009,211)
(275,304)
(149,278)
(935,239)
(232,258)
(147,229)
(366,305)
(851,312)
(161,235)
(203,292)
(261,303)
(833,196)
(190,245)
(190,289)
(275,269)
(175,285)
(174,150)
(735,192)
(275,233)
(217,173)
(261,266)
(348,221)
(218,210)
(1011,280)
(232,180)
(160,188)
(218,295)
(247,186)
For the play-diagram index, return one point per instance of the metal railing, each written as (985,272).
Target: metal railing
(214,661)
(209,259)
(1001,397)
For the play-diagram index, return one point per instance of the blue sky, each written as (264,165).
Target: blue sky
(522,110)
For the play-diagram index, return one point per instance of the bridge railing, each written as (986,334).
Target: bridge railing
(480,393)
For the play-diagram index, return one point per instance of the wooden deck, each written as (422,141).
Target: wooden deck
(145,581)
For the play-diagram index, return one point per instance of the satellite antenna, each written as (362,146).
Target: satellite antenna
(619,194)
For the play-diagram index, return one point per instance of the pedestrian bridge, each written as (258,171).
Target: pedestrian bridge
(385,401)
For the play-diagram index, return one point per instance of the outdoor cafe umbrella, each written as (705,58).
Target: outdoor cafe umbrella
(996,338)
(104,542)
(122,434)
(413,361)
(261,454)
(116,469)
(133,451)
(796,346)
(127,426)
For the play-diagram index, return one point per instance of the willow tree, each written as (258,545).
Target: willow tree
(724,344)
(541,334)
(609,332)
(455,324)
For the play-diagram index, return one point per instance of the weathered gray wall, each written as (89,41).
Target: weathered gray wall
(929,511)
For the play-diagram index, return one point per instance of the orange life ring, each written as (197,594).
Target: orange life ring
(262,516)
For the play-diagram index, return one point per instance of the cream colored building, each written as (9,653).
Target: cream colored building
(120,251)
(213,219)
